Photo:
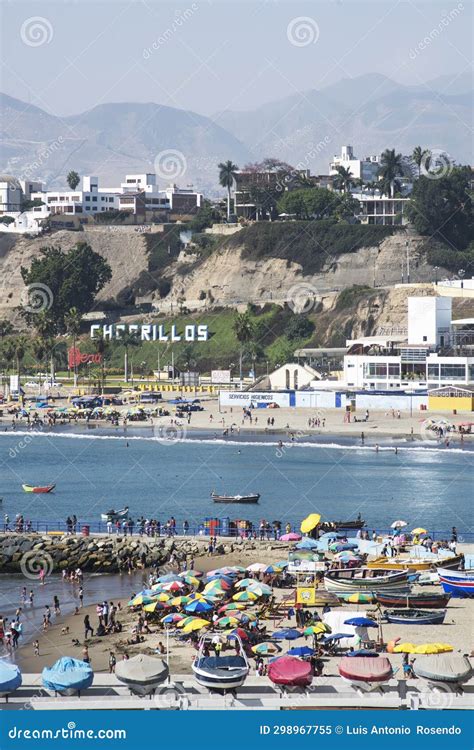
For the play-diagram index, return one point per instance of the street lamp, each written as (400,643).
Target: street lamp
(408,262)
(461,274)
(436,269)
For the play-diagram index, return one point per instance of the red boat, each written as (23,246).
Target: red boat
(366,673)
(289,670)
(414,601)
(38,490)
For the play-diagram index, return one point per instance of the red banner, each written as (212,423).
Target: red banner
(75,358)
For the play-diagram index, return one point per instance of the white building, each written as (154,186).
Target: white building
(292,377)
(86,201)
(361,169)
(11,194)
(381,210)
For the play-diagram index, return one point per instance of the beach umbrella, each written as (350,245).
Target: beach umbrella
(186,620)
(332,535)
(337,637)
(227,622)
(343,546)
(231,634)
(197,624)
(218,584)
(265,649)
(161,597)
(245,618)
(245,582)
(291,537)
(307,543)
(398,524)
(273,569)
(257,567)
(287,634)
(310,522)
(419,530)
(237,569)
(198,606)
(361,622)
(245,596)
(404,648)
(154,607)
(301,651)
(231,607)
(282,564)
(317,629)
(191,580)
(167,577)
(173,586)
(261,589)
(139,600)
(195,573)
(179,601)
(173,618)
(360,597)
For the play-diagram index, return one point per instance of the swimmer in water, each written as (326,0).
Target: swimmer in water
(376,448)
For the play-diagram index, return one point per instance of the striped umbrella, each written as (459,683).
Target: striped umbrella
(265,649)
(197,624)
(154,607)
(227,622)
(245,596)
(172,618)
(317,629)
(232,607)
(199,606)
(179,601)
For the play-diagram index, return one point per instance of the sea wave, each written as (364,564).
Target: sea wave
(284,448)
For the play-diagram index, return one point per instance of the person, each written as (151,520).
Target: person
(81,596)
(218,648)
(185,528)
(85,655)
(407,667)
(57,610)
(36,648)
(112,662)
(160,648)
(87,627)
(31,598)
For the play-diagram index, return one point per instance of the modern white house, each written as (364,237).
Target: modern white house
(11,194)
(361,169)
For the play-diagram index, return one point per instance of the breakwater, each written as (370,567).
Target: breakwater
(29,554)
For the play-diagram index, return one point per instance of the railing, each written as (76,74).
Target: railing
(220,529)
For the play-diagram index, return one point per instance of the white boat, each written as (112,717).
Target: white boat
(356,580)
(220,672)
(115,515)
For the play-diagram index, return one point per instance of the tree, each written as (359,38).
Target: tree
(254,352)
(128,339)
(227,172)
(6,328)
(243,328)
(8,352)
(101,347)
(20,345)
(419,156)
(63,280)
(309,203)
(27,205)
(442,208)
(299,327)
(348,208)
(344,178)
(206,216)
(7,220)
(391,167)
(73,179)
(72,321)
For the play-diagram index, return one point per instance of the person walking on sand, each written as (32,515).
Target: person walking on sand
(36,648)
(81,596)
(57,610)
(112,662)
(88,627)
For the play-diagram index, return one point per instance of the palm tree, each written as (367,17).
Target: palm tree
(391,167)
(419,156)
(8,352)
(344,178)
(243,328)
(255,352)
(128,339)
(73,179)
(371,187)
(20,344)
(72,321)
(227,171)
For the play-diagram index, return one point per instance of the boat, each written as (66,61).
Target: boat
(448,670)
(115,515)
(458,583)
(10,678)
(252,497)
(38,490)
(220,672)
(359,523)
(413,601)
(68,676)
(290,671)
(415,616)
(354,580)
(415,563)
(142,673)
(365,673)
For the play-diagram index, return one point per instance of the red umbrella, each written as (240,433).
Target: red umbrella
(243,635)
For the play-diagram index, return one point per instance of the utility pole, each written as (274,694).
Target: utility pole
(408,263)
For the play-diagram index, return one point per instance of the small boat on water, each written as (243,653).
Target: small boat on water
(365,673)
(446,670)
(10,678)
(290,671)
(142,673)
(220,672)
(413,601)
(252,497)
(68,676)
(458,583)
(415,616)
(415,563)
(358,523)
(38,490)
(354,580)
(115,515)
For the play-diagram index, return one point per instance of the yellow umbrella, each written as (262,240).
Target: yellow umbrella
(404,648)
(245,596)
(310,522)
(443,647)
(186,621)
(419,530)
(197,624)
(317,629)
(153,607)
(429,648)
(161,597)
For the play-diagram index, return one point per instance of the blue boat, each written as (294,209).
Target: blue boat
(458,583)
(68,676)
(415,616)
(10,678)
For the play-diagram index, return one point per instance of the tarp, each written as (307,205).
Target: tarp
(289,670)
(335,620)
(366,668)
(68,674)
(142,670)
(10,677)
(443,667)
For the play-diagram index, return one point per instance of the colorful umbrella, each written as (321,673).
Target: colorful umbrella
(198,606)
(197,624)
(360,597)
(310,522)
(245,582)
(139,600)
(173,618)
(231,607)
(260,589)
(265,649)
(227,622)
(186,621)
(179,601)
(361,622)
(287,634)
(161,597)
(195,573)
(273,569)
(191,580)
(291,537)
(317,629)
(301,651)
(154,607)
(237,632)
(257,567)
(245,596)
(419,530)
(173,586)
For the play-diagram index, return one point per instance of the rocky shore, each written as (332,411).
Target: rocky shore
(30,553)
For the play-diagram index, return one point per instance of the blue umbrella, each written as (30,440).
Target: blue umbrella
(198,606)
(362,652)
(300,651)
(361,622)
(168,577)
(307,543)
(337,637)
(287,634)
(346,546)
(332,535)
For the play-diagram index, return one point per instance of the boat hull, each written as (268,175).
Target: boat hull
(365,673)
(356,580)
(413,601)
(444,670)
(236,499)
(415,617)
(385,563)
(229,674)
(38,490)
(459,583)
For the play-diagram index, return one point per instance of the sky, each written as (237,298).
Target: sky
(207,55)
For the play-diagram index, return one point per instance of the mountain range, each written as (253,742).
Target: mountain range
(370,112)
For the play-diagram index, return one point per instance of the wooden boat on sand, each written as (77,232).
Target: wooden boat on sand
(415,616)
(355,580)
(413,601)
(365,673)
(414,564)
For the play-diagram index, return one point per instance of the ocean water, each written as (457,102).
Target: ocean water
(424,484)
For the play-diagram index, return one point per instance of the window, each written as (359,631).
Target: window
(287,379)
(87,198)
(453,372)
(393,371)
(94,199)
(375,369)
(433,372)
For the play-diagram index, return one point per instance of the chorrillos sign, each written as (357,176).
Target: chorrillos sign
(152,332)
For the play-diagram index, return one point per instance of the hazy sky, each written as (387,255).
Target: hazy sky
(214,54)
